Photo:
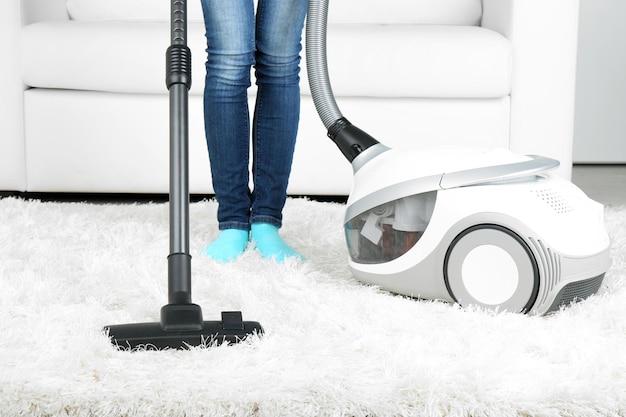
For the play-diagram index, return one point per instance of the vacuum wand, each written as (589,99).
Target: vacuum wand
(178,81)
(181,324)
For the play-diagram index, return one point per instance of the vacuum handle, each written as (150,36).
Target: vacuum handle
(535,166)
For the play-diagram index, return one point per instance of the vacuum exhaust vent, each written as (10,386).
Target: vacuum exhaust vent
(576,291)
(549,268)
(554,200)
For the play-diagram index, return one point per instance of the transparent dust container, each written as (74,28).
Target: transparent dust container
(390,230)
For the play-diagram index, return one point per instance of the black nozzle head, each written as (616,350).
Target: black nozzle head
(350,139)
(152,336)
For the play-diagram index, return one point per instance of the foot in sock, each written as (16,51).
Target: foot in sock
(229,245)
(270,244)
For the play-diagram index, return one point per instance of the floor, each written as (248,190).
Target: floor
(603,183)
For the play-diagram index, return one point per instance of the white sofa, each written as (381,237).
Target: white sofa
(84,105)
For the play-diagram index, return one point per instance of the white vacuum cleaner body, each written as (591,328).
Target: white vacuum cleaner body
(485,228)
(478,227)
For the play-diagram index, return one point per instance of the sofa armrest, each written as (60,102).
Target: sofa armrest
(12,165)
(16,14)
(544,34)
(42,10)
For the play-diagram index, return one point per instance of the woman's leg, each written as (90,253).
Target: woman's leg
(279,25)
(230,47)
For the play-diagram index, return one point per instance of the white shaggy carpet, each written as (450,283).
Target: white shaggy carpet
(332,347)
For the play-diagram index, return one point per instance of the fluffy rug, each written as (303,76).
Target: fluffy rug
(333,347)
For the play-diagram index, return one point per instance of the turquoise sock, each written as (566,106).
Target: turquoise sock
(229,245)
(270,244)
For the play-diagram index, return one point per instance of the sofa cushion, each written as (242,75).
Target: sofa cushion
(453,12)
(390,60)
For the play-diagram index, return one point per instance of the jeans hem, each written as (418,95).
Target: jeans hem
(234,225)
(267,219)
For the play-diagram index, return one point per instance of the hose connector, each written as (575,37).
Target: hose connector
(350,139)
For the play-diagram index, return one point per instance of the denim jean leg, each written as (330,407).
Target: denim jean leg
(279,26)
(230,48)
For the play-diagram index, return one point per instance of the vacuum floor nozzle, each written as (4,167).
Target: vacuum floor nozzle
(152,336)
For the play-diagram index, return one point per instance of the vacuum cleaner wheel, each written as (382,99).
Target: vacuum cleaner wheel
(491,266)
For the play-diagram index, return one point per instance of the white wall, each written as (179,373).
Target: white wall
(600,125)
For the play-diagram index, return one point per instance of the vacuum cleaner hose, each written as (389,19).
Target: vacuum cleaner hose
(351,140)
(317,65)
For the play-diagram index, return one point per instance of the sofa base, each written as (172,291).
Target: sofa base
(128,144)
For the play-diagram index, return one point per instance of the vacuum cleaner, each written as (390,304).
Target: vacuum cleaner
(477,227)
(181,323)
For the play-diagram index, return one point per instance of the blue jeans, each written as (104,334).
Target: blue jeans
(271,43)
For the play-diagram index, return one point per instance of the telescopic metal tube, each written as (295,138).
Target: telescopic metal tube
(178,80)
